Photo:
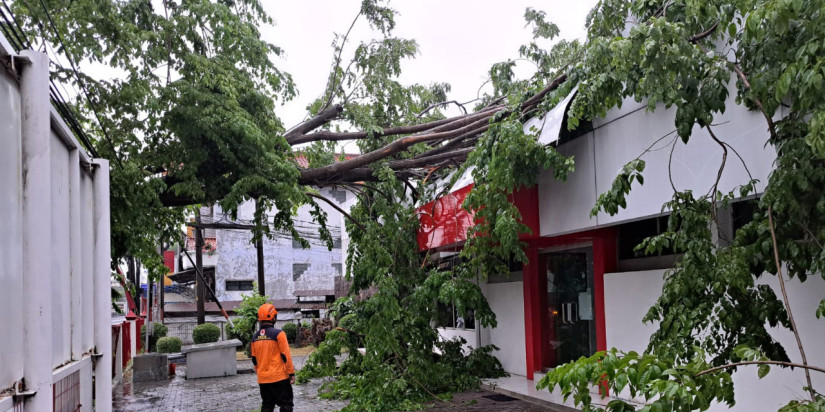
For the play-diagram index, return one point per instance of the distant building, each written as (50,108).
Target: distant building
(300,282)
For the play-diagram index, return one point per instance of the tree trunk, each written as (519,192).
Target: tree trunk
(199,283)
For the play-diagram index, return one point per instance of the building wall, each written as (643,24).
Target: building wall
(507,302)
(55,246)
(11,208)
(629,295)
(625,134)
(287,266)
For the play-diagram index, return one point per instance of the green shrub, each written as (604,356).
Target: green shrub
(290,329)
(206,333)
(169,344)
(247,322)
(160,331)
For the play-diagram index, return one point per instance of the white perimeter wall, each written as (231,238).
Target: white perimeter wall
(11,227)
(65,206)
(507,302)
(629,295)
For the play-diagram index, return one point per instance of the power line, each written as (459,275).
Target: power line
(13,31)
(82,84)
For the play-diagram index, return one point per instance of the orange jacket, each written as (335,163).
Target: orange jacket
(270,355)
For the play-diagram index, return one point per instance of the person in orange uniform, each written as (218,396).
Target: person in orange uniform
(272,362)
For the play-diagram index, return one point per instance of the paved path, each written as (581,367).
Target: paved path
(227,394)
(240,393)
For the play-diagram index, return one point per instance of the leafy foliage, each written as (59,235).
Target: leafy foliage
(159,330)
(291,330)
(206,333)
(247,322)
(169,344)
(393,321)
(195,100)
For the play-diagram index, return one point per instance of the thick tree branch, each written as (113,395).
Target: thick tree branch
(361,174)
(467,123)
(456,142)
(702,35)
(319,120)
(458,127)
(390,131)
(540,95)
(429,160)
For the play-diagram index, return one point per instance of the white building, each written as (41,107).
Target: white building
(585,290)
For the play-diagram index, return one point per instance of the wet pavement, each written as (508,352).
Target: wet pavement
(240,393)
(224,394)
(482,400)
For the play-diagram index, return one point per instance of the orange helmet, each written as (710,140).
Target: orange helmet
(267,312)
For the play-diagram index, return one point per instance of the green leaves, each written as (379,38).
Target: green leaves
(662,384)
(615,198)
(541,27)
(190,114)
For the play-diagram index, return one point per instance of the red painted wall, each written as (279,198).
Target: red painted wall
(445,223)
(169,260)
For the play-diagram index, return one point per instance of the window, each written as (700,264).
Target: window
(742,213)
(448,317)
(634,233)
(339,195)
(298,269)
(238,285)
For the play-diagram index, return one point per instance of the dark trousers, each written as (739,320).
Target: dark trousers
(276,393)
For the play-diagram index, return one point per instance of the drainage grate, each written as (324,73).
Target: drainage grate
(500,398)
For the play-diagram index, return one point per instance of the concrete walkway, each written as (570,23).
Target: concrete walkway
(240,393)
(229,394)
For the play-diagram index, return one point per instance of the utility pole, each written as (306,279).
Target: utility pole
(199,282)
(259,244)
(135,281)
(162,284)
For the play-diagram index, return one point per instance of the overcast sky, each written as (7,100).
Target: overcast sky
(459,39)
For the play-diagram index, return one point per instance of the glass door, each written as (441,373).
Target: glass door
(570,320)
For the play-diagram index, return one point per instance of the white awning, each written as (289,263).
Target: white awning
(549,126)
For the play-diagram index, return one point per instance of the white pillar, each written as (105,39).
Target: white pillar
(102,287)
(34,92)
(134,337)
(75,256)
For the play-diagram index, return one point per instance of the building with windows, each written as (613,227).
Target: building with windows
(585,288)
(301,282)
